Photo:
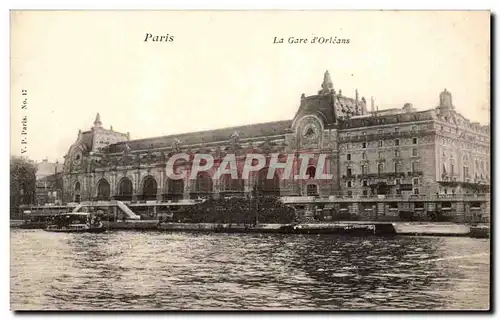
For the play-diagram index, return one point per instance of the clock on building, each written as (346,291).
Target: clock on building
(310,134)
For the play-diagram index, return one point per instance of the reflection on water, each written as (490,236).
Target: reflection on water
(153,270)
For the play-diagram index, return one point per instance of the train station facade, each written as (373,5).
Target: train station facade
(366,152)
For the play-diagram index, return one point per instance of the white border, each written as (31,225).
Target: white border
(187,4)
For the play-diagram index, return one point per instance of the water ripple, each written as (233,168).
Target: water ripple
(189,271)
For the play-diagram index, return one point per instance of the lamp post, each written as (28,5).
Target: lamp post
(21,195)
(256,196)
(56,185)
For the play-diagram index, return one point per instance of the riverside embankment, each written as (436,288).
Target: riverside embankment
(387,228)
(351,227)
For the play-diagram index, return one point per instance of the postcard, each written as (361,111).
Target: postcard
(250,160)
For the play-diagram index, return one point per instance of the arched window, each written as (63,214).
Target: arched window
(311,172)
(125,189)
(103,190)
(232,185)
(265,186)
(414,166)
(77,192)
(203,185)
(349,171)
(364,169)
(466,171)
(380,168)
(149,188)
(175,189)
(397,167)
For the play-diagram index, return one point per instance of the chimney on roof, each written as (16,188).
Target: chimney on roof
(363,105)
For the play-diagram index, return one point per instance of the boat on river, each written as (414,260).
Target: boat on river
(75,222)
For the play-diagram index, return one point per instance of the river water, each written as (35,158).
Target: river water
(129,270)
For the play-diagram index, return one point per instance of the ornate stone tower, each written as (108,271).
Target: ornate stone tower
(445,100)
(327,85)
(97,122)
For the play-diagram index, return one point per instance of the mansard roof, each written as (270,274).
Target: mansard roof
(455,118)
(334,109)
(330,107)
(383,118)
(204,137)
(321,105)
(85,140)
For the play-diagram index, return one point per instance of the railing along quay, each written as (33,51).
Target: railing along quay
(387,198)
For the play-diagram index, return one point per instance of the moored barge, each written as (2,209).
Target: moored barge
(75,222)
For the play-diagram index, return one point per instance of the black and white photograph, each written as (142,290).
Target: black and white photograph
(250,160)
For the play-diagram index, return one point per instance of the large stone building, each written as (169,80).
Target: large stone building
(45,168)
(49,189)
(368,152)
(48,182)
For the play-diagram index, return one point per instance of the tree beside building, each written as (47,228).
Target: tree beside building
(22,182)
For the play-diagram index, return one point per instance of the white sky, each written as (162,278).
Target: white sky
(222,68)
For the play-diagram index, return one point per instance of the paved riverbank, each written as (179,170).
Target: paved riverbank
(381,228)
(401,228)
(440,229)
(15,223)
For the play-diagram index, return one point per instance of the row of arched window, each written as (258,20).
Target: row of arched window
(202,186)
